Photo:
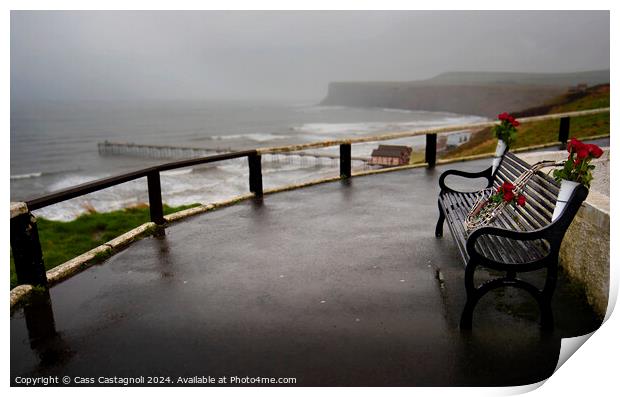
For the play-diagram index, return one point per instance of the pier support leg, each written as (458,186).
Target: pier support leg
(345,160)
(25,246)
(256,175)
(155,205)
(431,150)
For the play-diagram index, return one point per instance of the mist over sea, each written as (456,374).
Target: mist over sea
(54,145)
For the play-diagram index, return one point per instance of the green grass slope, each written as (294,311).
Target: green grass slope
(543,132)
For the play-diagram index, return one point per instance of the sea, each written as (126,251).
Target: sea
(54,145)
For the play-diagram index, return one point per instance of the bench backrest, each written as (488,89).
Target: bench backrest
(541,192)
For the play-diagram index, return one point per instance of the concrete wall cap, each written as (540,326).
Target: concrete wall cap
(19,292)
(18,208)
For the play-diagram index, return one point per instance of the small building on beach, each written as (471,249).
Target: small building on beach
(453,140)
(456,139)
(390,155)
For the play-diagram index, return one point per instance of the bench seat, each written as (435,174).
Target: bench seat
(457,206)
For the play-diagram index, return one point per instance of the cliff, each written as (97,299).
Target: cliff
(485,94)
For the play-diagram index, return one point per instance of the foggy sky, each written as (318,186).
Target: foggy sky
(114,55)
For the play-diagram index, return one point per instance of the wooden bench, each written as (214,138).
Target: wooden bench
(529,243)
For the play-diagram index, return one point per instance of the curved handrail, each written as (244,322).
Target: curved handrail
(99,184)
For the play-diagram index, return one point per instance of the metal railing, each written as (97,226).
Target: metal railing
(25,243)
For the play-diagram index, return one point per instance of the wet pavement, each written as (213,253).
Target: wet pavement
(339,284)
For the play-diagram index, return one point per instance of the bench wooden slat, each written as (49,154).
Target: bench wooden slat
(541,183)
(519,253)
(528,250)
(537,215)
(550,183)
(460,205)
(519,250)
(454,209)
(537,183)
(512,251)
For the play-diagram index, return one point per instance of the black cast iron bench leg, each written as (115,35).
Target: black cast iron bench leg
(442,217)
(547,294)
(546,315)
(474,294)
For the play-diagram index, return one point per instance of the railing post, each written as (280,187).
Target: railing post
(431,150)
(564,131)
(39,316)
(345,160)
(155,205)
(256,174)
(26,247)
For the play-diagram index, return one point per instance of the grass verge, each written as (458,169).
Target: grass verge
(61,241)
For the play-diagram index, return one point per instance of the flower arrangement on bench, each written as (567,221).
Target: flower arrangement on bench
(491,202)
(577,167)
(575,170)
(506,193)
(507,129)
(506,134)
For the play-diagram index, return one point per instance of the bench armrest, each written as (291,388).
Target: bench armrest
(488,174)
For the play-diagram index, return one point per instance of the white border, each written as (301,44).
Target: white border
(590,371)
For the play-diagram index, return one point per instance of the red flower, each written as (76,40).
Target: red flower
(574,145)
(507,117)
(508,187)
(521,200)
(582,153)
(595,151)
(509,196)
(577,167)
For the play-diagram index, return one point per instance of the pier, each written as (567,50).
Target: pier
(303,158)
(156,151)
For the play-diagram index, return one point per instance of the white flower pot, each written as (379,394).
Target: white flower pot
(499,152)
(566,190)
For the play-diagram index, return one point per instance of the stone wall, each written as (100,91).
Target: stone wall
(584,254)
